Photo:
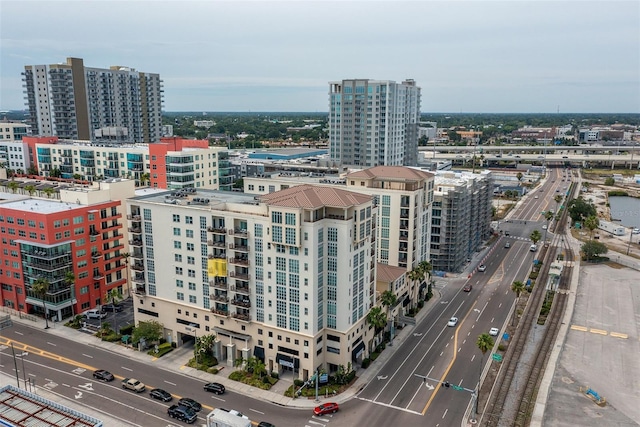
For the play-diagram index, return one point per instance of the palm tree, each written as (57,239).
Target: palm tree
(414,275)
(426,268)
(125,258)
(69,280)
(535,236)
(377,318)
(40,287)
(145,177)
(484,343)
(591,223)
(518,288)
(30,188)
(389,299)
(114,296)
(48,191)
(13,186)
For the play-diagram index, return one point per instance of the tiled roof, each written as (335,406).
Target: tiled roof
(391,172)
(389,273)
(310,196)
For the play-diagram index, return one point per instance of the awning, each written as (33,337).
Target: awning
(288,361)
(259,353)
(357,351)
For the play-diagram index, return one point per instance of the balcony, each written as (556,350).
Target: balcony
(135,230)
(219,298)
(403,237)
(239,276)
(242,316)
(97,275)
(94,232)
(96,254)
(239,232)
(238,248)
(137,255)
(137,267)
(215,230)
(135,242)
(239,261)
(220,311)
(139,278)
(134,217)
(140,290)
(219,284)
(241,289)
(216,244)
(241,302)
(217,256)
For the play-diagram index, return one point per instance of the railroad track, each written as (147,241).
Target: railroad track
(526,395)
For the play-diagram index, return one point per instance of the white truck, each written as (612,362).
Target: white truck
(222,418)
(610,227)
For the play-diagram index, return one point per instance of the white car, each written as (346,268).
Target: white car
(94,313)
(544,227)
(453,321)
(635,231)
(482,267)
(494,332)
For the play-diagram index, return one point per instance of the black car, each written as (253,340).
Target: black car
(190,403)
(160,394)
(103,375)
(112,307)
(182,413)
(265,424)
(216,388)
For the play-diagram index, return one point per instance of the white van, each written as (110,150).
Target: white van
(94,313)
(533,248)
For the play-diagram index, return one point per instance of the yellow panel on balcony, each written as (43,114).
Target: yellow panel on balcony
(217,267)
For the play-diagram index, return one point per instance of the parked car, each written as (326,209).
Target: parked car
(533,248)
(160,394)
(326,408)
(216,388)
(265,424)
(635,231)
(494,331)
(182,413)
(94,313)
(467,287)
(190,403)
(453,321)
(103,375)
(112,307)
(482,268)
(507,245)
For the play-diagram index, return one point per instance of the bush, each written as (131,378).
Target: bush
(502,347)
(533,275)
(365,363)
(420,304)
(126,330)
(275,375)
(298,382)
(213,370)
(162,350)
(111,337)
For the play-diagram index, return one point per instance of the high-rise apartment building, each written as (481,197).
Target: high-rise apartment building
(287,277)
(461,220)
(374,122)
(76,102)
(75,243)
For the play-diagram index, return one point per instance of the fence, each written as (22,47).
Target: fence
(19,314)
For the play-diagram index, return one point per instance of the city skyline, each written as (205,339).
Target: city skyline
(474,56)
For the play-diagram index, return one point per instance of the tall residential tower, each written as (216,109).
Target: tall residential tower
(374,122)
(72,101)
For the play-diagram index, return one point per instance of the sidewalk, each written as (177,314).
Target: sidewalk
(176,360)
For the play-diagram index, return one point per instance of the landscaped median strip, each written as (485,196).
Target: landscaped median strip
(599,331)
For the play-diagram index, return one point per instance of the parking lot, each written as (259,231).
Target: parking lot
(117,320)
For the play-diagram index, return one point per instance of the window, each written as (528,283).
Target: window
(188,220)
(290,219)
(176,218)
(276,217)
(180,296)
(193,299)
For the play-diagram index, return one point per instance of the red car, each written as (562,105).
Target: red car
(326,408)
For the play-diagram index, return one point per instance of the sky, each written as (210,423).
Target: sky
(467,56)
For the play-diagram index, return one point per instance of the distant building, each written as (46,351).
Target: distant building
(13,131)
(374,122)
(72,101)
(461,220)
(203,123)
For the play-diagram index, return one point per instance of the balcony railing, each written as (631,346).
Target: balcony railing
(217,230)
(97,275)
(220,311)
(238,248)
(136,230)
(219,298)
(242,316)
(241,289)
(96,254)
(135,242)
(239,276)
(246,303)
(134,217)
(222,255)
(139,279)
(137,267)
(216,244)
(137,254)
(140,290)
(239,261)
(218,284)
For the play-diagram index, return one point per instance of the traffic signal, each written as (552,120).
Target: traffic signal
(446,384)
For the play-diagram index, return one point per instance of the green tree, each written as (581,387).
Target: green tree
(388,300)
(32,170)
(591,223)
(610,181)
(48,191)
(519,176)
(377,318)
(593,249)
(41,287)
(484,343)
(415,276)
(579,209)
(55,173)
(144,178)
(535,236)
(30,189)
(69,280)
(517,287)
(149,331)
(13,186)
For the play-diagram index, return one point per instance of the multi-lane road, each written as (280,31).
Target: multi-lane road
(399,394)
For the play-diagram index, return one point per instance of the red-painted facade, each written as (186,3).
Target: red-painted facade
(157,156)
(84,240)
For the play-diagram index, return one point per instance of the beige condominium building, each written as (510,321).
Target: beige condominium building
(287,277)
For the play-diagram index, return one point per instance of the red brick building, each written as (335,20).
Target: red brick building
(76,243)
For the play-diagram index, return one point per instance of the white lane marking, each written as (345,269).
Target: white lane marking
(473,357)
(468,333)
(217,398)
(482,311)
(445,413)
(386,405)
(255,410)
(492,319)
(126,369)
(66,385)
(464,342)
(499,305)
(87,355)
(441,353)
(414,395)
(168,382)
(429,373)
(32,375)
(50,343)
(19,333)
